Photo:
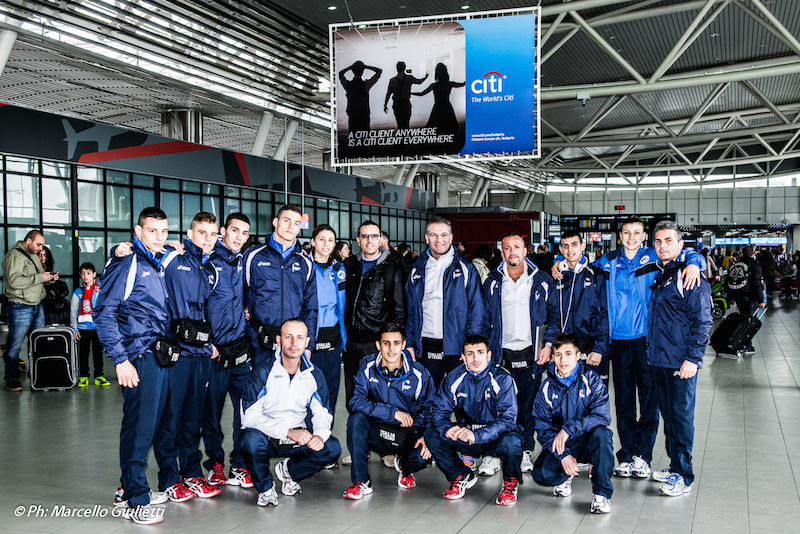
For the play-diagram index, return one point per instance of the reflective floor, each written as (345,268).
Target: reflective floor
(60,450)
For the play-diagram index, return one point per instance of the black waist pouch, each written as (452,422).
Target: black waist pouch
(234,353)
(265,333)
(166,351)
(518,359)
(432,349)
(393,435)
(192,332)
(285,444)
(328,339)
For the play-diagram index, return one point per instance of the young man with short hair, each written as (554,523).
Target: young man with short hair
(134,288)
(390,408)
(517,293)
(572,413)
(177,440)
(678,324)
(226,315)
(281,393)
(280,284)
(483,398)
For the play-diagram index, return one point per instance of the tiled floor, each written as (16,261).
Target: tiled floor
(60,448)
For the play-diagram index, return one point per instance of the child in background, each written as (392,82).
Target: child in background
(83,300)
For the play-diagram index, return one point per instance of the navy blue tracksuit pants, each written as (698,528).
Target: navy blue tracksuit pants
(222,382)
(258,450)
(676,400)
(527,387)
(330,362)
(633,377)
(507,447)
(178,435)
(595,447)
(141,412)
(363,435)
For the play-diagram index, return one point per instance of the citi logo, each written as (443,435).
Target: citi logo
(492,82)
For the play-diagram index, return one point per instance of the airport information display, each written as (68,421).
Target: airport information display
(451,87)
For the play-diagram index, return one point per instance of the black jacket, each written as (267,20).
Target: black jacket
(755,283)
(375,299)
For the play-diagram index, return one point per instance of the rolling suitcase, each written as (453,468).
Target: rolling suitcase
(53,358)
(735,333)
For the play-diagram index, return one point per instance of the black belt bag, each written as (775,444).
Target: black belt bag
(234,353)
(166,351)
(518,359)
(266,334)
(433,349)
(192,332)
(392,435)
(285,444)
(328,339)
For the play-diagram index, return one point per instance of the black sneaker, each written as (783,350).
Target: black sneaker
(14,385)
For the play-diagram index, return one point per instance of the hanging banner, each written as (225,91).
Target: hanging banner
(450,87)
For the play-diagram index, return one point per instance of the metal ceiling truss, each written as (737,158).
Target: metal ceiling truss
(757,142)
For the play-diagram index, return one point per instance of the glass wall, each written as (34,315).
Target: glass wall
(83,212)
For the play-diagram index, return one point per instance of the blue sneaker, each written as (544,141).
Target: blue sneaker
(674,486)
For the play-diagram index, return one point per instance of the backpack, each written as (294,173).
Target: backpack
(738,278)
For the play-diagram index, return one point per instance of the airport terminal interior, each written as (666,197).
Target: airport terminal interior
(686,110)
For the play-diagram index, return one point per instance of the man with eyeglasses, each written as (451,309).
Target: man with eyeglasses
(442,280)
(374,296)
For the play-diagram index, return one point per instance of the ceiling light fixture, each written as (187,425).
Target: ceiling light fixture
(465,6)
(331,8)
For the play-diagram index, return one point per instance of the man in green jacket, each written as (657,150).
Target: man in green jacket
(24,279)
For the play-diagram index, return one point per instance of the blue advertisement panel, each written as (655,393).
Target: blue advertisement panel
(501,59)
(446,87)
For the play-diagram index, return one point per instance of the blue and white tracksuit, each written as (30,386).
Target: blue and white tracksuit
(485,402)
(577,306)
(225,311)
(178,434)
(463,311)
(579,405)
(628,293)
(331,282)
(527,378)
(280,285)
(273,402)
(130,314)
(376,399)
(678,324)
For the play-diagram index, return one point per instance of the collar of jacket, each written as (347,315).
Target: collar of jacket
(406,367)
(305,364)
(580,367)
(223,252)
(294,248)
(531,267)
(583,264)
(475,375)
(384,255)
(143,251)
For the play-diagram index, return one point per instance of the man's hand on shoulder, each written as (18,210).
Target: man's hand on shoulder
(691,277)
(123,249)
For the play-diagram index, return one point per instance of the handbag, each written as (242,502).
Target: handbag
(234,353)
(166,351)
(265,333)
(192,332)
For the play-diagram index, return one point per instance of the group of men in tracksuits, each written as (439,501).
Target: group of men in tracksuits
(419,347)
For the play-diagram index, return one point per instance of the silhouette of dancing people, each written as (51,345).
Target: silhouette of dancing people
(442,115)
(357,91)
(399,91)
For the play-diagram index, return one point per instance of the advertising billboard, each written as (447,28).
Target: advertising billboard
(451,87)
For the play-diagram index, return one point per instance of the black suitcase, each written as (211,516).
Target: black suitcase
(734,334)
(53,358)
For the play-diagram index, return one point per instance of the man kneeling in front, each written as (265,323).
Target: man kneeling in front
(280,394)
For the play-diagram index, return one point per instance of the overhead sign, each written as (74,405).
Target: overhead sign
(449,86)
(619,208)
(595,236)
(554,230)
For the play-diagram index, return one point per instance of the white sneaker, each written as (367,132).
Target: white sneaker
(661,476)
(289,486)
(640,468)
(143,515)
(563,490)
(347,460)
(623,470)
(489,466)
(158,497)
(600,505)
(674,486)
(526,465)
(268,498)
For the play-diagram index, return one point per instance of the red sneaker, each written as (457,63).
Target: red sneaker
(216,476)
(460,485)
(200,487)
(178,492)
(508,495)
(406,482)
(358,490)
